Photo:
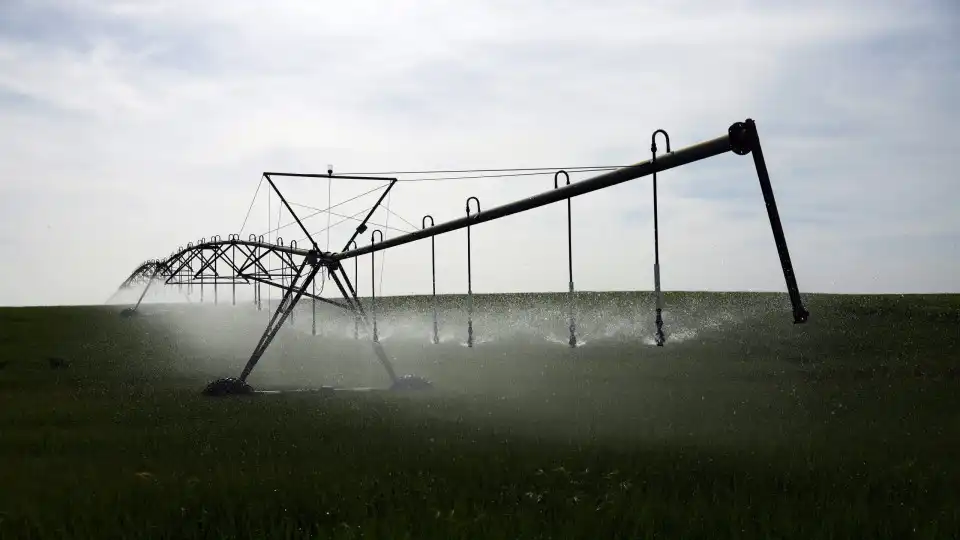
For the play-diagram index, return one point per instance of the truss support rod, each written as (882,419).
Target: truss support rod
(800,314)
(356,298)
(377,347)
(256,260)
(188,263)
(308,295)
(292,213)
(363,224)
(232,264)
(156,270)
(319,175)
(284,308)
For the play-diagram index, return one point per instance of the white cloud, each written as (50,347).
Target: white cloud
(149,126)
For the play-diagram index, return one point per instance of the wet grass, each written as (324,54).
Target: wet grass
(745,425)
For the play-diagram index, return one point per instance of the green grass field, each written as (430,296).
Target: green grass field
(744,426)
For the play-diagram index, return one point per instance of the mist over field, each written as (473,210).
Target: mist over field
(133,132)
(743,422)
(734,369)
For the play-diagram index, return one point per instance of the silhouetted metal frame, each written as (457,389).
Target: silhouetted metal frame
(255,251)
(741,138)
(363,224)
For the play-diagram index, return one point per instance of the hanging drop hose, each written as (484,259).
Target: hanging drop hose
(470,277)
(373,284)
(329,205)
(660,338)
(383,254)
(573,324)
(433,272)
(269,258)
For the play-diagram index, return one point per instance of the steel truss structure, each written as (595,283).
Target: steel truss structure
(234,261)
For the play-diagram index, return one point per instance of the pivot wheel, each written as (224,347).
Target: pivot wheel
(409,383)
(226,387)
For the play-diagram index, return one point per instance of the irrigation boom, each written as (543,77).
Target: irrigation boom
(300,266)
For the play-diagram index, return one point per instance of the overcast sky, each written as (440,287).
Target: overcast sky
(128,128)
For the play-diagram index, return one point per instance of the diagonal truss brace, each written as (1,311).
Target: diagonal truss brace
(284,309)
(313,262)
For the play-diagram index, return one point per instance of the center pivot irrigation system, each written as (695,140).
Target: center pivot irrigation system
(243,259)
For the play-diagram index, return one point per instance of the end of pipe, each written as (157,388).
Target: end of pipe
(742,136)
(410,383)
(228,387)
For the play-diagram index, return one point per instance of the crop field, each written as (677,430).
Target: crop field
(744,426)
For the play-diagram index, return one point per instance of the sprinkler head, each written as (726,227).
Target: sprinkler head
(226,387)
(411,383)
